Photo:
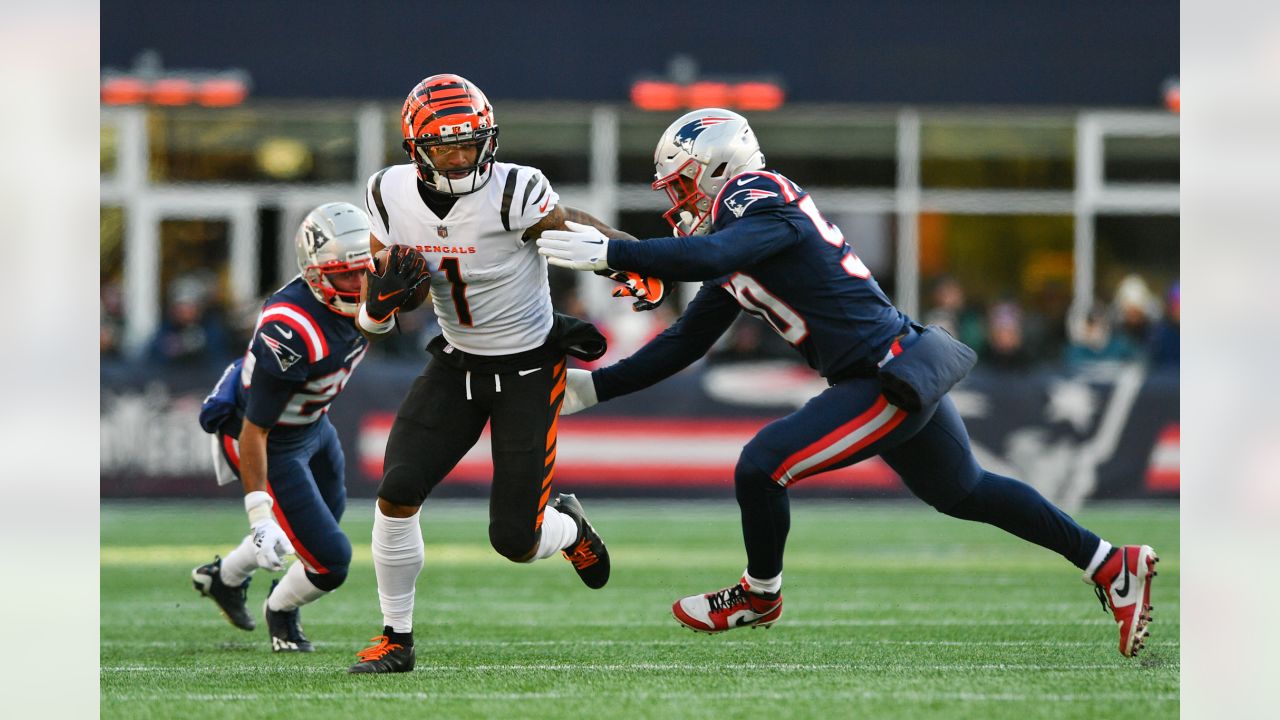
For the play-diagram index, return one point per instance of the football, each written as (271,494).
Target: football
(380,260)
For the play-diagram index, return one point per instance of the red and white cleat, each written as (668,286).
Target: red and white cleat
(732,607)
(1123,584)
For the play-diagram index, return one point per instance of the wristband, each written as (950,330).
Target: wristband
(373,326)
(258,504)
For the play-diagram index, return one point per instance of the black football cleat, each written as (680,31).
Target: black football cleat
(384,656)
(285,628)
(588,553)
(207,580)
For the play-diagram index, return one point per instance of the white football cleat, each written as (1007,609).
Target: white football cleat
(733,607)
(1123,584)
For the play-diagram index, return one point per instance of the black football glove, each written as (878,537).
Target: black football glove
(405,272)
(648,292)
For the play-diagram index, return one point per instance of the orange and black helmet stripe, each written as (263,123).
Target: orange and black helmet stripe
(443,96)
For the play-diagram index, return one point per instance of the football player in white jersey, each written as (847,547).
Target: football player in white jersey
(467,224)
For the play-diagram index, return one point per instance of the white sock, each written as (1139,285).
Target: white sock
(294,590)
(240,563)
(559,531)
(770,585)
(1099,555)
(397,560)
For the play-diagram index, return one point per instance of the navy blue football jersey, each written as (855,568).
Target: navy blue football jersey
(771,253)
(301,355)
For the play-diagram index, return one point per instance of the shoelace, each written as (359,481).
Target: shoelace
(1102,597)
(582,555)
(384,646)
(727,598)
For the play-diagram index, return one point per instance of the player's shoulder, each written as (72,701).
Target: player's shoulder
(392,176)
(754,191)
(292,318)
(526,194)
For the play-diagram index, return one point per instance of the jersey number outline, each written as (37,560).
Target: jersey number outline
(758,301)
(457,288)
(851,263)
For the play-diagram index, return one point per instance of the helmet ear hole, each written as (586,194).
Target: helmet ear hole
(720,170)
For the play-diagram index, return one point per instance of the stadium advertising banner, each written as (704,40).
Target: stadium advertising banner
(1111,433)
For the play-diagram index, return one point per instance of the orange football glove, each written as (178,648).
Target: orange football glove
(648,292)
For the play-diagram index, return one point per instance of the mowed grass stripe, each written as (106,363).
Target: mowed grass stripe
(892,611)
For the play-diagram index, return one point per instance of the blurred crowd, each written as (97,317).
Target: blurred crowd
(1136,324)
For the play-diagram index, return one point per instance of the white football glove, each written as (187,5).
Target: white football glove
(581,247)
(271,542)
(579,392)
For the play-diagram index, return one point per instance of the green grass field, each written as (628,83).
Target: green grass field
(892,611)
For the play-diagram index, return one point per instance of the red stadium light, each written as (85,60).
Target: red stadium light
(758,96)
(222,92)
(173,91)
(708,94)
(656,95)
(123,91)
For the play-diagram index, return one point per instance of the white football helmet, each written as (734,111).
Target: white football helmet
(333,238)
(694,158)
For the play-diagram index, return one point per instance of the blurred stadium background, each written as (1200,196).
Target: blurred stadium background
(1006,170)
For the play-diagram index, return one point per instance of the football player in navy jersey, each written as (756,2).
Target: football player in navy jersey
(268,418)
(758,243)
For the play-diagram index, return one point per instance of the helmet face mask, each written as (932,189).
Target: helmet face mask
(332,244)
(443,111)
(694,158)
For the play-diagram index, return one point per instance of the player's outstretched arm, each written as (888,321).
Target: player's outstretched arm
(271,542)
(649,292)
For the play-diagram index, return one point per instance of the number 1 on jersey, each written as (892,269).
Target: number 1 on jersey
(458,289)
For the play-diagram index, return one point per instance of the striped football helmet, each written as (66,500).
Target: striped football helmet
(695,157)
(332,239)
(448,110)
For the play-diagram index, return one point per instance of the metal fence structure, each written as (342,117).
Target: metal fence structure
(894,166)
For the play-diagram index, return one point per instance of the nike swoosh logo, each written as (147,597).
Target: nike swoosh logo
(593,242)
(744,181)
(384,296)
(741,621)
(545,203)
(286,334)
(522,373)
(1124,591)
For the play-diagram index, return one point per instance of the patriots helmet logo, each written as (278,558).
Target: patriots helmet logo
(315,236)
(741,200)
(691,130)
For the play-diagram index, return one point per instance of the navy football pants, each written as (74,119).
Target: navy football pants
(850,422)
(306,478)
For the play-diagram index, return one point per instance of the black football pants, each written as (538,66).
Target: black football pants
(442,417)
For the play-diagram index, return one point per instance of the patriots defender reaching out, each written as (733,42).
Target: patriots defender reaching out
(758,243)
(268,417)
(458,219)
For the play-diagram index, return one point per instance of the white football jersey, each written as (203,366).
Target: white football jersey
(488,286)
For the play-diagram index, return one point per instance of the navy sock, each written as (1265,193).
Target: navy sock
(1017,508)
(766,519)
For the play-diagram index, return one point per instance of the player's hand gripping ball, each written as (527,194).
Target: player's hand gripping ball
(398,282)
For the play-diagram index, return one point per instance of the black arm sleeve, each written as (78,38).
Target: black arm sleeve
(699,258)
(709,314)
(268,396)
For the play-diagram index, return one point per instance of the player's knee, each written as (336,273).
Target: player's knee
(334,557)
(330,580)
(517,544)
(750,474)
(402,485)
